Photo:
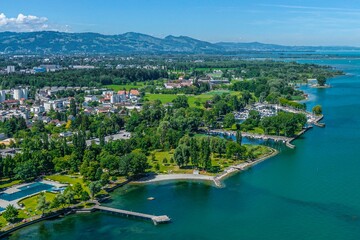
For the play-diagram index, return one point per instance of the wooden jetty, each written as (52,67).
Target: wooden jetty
(155,219)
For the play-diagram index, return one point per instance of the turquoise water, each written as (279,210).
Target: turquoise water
(311,192)
(26,191)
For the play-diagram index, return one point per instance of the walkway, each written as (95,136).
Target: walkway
(156,219)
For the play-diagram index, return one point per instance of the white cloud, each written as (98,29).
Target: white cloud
(27,23)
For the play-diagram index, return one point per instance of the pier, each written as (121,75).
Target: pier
(155,219)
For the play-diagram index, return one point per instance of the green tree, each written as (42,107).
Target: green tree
(317,110)
(26,170)
(105,178)
(58,201)
(94,188)
(78,189)
(238,137)
(42,204)
(73,109)
(69,195)
(205,153)
(194,152)
(229,120)
(180,102)
(10,213)
(84,196)
(321,80)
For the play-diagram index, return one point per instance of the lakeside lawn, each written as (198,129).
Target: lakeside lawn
(69,179)
(7,182)
(30,204)
(220,162)
(29,210)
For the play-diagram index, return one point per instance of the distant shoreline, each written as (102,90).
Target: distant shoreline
(320,87)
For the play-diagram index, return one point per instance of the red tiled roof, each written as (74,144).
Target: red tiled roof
(134,92)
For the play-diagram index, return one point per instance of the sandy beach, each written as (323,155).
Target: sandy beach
(167,177)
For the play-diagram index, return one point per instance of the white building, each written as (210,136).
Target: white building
(83,67)
(66,134)
(90,98)
(117,98)
(56,104)
(2,95)
(104,93)
(17,94)
(25,93)
(20,93)
(37,109)
(10,69)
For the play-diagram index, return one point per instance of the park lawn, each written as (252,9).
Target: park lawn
(164,98)
(168,98)
(258,150)
(257,130)
(7,182)
(29,210)
(30,205)
(216,161)
(165,167)
(194,100)
(3,222)
(222,162)
(126,86)
(69,179)
(297,98)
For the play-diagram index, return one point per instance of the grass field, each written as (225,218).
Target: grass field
(6,182)
(67,179)
(122,87)
(192,99)
(157,157)
(164,98)
(30,203)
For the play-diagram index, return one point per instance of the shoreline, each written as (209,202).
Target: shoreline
(321,87)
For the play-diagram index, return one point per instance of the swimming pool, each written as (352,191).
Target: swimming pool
(26,191)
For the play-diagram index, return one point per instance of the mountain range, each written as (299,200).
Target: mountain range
(48,42)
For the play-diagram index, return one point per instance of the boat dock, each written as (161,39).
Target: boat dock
(155,219)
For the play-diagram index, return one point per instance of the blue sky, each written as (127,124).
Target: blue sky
(316,22)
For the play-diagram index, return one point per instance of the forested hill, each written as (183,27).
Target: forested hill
(127,43)
(72,43)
